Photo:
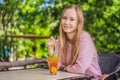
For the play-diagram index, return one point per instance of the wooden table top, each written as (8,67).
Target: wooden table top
(36,74)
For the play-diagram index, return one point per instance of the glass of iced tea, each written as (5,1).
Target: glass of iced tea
(53,64)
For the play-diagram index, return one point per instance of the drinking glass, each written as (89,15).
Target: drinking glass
(53,64)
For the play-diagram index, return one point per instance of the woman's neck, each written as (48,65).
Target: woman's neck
(70,37)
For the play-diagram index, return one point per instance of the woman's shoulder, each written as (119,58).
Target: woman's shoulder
(85,35)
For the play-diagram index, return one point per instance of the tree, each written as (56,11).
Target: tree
(101,20)
(7,10)
(42,17)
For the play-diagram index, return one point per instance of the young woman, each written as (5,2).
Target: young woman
(75,46)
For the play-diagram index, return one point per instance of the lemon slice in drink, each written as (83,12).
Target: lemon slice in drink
(53,70)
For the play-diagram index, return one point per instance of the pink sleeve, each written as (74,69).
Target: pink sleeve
(85,56)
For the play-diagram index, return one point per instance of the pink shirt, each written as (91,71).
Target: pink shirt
(87,61)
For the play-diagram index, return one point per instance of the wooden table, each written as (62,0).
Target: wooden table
(36,74)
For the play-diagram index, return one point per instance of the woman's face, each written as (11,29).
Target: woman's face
(69,21)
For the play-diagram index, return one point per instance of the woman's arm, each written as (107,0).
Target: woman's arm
(86,53)
(103,77)
(51,45)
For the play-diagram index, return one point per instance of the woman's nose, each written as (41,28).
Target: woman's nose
(67,21)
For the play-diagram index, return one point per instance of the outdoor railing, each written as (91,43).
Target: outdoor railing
(24,62)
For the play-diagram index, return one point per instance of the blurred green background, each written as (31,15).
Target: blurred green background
(42,17)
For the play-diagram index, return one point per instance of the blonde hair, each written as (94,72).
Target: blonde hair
(76,41)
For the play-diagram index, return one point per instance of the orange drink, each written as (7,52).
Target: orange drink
(53,64)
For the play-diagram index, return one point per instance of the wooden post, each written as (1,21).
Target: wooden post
(15,55)
(34,48)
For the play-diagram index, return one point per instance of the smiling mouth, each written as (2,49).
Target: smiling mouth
(66,26)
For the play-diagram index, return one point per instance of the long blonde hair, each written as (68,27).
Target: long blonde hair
(76,41)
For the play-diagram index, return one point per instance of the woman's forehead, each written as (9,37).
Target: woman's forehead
(70,12)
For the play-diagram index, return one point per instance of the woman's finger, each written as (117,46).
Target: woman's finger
(51,41)
(54,39)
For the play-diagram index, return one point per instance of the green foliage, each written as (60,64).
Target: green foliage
(102,21)
(7,11)
(42,17)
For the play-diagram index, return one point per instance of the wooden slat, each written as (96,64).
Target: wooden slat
(21,63)
(27,36)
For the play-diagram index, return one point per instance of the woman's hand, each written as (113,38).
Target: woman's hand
(63,68)
(51,45)
(103,77)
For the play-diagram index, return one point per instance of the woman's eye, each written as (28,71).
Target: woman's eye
(71,19)
(64,18)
